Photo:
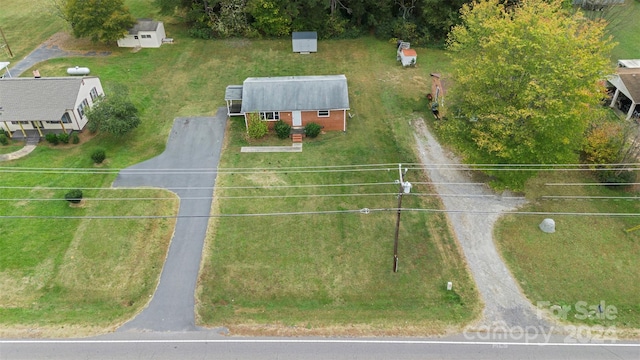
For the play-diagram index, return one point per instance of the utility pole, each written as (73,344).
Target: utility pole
(405,188)
(6,43)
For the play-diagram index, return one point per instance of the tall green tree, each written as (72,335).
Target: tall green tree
(100,20)
(114,114)
(270,18)
(526,82)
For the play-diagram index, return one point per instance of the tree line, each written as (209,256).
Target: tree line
(418,21)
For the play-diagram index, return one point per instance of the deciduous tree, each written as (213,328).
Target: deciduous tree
(100,20)
(526,82)
(114,114)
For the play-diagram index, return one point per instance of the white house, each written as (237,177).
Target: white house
(36,106)
(145,33)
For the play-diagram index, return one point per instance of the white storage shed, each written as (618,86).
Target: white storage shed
(145,33)
(304,42)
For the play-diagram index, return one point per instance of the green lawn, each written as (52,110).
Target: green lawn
(588,258)
(627,32)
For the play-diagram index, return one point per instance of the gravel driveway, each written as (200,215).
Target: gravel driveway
(505,305)
(186,167)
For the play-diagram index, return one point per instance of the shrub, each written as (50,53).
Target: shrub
(312,129)
(282,129)
(52,138)
(256,127)
(603,143)
(64,138)
(74,196)
(3,139)
(98,156)
(75,139)
(613,177)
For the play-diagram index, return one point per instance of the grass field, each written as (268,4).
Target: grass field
(588,258)
(627,32)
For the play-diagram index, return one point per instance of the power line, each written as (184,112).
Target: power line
(332,168)
(591,184)
(571,197)
(363,211)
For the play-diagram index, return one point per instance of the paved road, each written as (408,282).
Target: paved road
(201,345)
(194,144)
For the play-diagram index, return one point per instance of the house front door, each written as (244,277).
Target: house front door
(297,118)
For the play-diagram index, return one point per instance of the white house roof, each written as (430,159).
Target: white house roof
(31,99)
(295,93)
(144,25)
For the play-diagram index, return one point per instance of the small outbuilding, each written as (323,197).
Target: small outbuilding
(146,33)
(304,42)
(406,55)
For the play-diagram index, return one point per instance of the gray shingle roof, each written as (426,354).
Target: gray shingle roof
(295,93)
(233,92)
(31,99)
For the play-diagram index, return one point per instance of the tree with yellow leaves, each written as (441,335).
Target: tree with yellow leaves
(527,83)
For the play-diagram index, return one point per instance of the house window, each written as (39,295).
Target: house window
(19,122)
(270,115)
(323,113)
(94,94)
(66,119)
(135,37)
(81,107)
(145,36)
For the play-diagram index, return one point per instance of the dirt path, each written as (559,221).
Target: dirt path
(504,303)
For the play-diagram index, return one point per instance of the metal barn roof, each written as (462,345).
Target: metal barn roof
(295,93)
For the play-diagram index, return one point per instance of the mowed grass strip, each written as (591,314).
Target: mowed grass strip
(332,273)
(589,258)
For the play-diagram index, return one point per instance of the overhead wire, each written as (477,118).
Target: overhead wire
(332,168)
(364,211)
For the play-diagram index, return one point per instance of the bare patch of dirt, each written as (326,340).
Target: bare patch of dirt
(340,331)
(65,41)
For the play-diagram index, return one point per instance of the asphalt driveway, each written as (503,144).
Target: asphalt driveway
(186,167)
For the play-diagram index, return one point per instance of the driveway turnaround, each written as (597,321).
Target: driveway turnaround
(188,168)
